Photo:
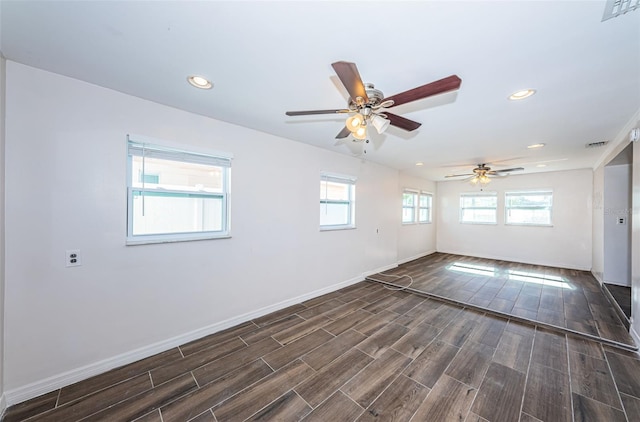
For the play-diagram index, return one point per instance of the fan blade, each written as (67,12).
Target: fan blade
(458,175)
(401,122)
(447,84)
(350,78)
(343,133)
(309,112)
(512,169)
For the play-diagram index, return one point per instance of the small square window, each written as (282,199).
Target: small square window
(337,202)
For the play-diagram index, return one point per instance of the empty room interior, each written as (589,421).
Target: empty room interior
(320,211)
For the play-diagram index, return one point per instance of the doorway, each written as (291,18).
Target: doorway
(617,230)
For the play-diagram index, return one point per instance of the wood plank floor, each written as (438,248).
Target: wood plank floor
(364,353)
(555,297)
(622,295)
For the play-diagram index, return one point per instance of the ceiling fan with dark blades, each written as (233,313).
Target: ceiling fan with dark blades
(482,174)
(366,103)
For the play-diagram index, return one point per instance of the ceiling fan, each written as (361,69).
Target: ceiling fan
(482,174)
(366,103)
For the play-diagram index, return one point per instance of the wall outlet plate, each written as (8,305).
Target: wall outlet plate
(72,258)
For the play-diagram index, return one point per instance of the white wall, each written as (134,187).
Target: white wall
(2,230)
(597,225)
(635,245)
(617,237)
(416,240)
(65,189)
(618,145)
(567,244)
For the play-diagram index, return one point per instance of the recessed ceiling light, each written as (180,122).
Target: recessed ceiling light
(535,146)
(420,163)
(199,82)
(541,165)
(522,94)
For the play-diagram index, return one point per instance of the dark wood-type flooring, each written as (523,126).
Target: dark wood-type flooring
(364,353)
(554,297)
(622,295)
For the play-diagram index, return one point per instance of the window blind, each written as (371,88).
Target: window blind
(153,151)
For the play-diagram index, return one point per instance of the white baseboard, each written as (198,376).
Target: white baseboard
(518,259)
(55,382)
(634,335)
(418,256)
(379,270)
(598,276)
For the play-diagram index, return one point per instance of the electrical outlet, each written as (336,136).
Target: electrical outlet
(72,258)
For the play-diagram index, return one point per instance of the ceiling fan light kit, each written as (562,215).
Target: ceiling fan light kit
(380,123)
(360,133)
(483,179)
(366,103)
(354,122)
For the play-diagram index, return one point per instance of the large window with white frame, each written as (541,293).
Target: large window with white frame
(479,208)
(531,208)
(337,202)
(175,195)
(416,206)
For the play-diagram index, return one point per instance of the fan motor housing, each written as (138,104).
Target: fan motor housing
(375,97)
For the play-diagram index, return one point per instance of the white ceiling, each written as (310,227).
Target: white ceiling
(265,58)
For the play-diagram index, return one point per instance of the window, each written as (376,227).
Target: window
(337,196)
(528,208)
(416,207)
(479,208)
(425,207)
(409,203)
(175,195)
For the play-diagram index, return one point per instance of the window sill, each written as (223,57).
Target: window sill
(334,228)
(528,225)
(136,242)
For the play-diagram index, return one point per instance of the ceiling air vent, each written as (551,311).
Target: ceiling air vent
(615,8)
(596,144)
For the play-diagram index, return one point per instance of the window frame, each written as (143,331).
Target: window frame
(413,208)
(217,160)
(493,194)
(416,207)
(507,208)
(429,219)
(350,181)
